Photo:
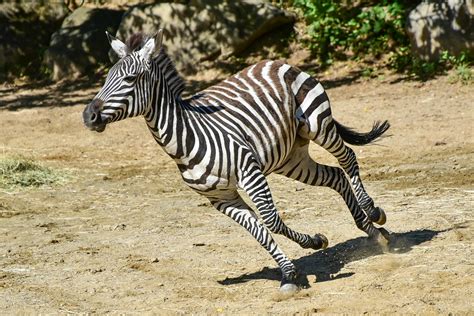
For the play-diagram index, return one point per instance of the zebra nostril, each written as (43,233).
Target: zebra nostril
(94,117)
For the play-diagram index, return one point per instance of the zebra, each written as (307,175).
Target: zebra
(233,134)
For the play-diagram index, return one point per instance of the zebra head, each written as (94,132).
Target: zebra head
(127,90)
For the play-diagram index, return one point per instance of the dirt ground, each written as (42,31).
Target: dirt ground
(124,235)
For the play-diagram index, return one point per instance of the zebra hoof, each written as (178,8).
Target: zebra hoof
(382,217)
(288,283)
(386,234)
(320,241)
(377,215)
(289,288)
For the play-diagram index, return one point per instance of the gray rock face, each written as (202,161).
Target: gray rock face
(25,30)
(80,46)
(204,30)
(434,26)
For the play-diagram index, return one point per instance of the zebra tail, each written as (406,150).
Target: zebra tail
(352,137)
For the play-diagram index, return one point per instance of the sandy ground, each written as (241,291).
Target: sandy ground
(125,235)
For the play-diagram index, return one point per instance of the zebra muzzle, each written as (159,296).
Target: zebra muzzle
(92,116)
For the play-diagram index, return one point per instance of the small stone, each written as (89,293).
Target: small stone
(98,270)
(120,226)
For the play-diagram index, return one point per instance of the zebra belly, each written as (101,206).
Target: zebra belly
(271,151)
(225,170)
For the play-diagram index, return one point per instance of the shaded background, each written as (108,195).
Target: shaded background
(60,40)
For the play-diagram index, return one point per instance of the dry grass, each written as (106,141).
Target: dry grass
(25,172)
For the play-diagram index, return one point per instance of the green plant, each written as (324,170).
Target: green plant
(463,73)
(25,172)
(461,64)
(371,29)
(338,31)
(368,72)
(404,61)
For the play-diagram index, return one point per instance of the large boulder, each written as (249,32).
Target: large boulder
(25,31)
(436,26)
(204,29)
(80,46)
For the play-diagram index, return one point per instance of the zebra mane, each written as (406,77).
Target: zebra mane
(136,41)
(176,84)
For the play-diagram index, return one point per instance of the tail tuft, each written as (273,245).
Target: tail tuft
(352,137)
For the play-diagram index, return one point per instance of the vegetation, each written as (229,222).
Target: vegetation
(420,69)
(340,30)
(25,172)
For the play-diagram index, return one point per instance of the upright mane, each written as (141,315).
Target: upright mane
(175,82)
(136,41)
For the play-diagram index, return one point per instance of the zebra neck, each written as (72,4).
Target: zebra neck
(165,65)
(165,119)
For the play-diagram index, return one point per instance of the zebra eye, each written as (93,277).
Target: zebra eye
(129,79)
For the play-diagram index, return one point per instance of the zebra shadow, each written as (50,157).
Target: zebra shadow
(326,264)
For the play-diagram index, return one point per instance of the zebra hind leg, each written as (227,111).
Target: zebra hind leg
(318,125)
(304,169)
(240,212)
(334,144)
(348,161)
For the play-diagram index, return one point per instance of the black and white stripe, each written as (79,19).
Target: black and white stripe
(233,134)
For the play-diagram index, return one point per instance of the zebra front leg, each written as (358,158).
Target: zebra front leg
(240,212)
(256,186)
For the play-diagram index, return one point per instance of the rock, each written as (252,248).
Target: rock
(204,30)
(440,25)
(80,46)
(25,30)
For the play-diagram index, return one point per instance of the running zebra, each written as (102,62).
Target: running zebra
(233,134)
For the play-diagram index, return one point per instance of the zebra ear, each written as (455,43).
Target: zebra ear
(117,45)
(152,47)
(158,40)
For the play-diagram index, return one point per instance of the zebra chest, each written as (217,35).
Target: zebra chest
(207,175)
